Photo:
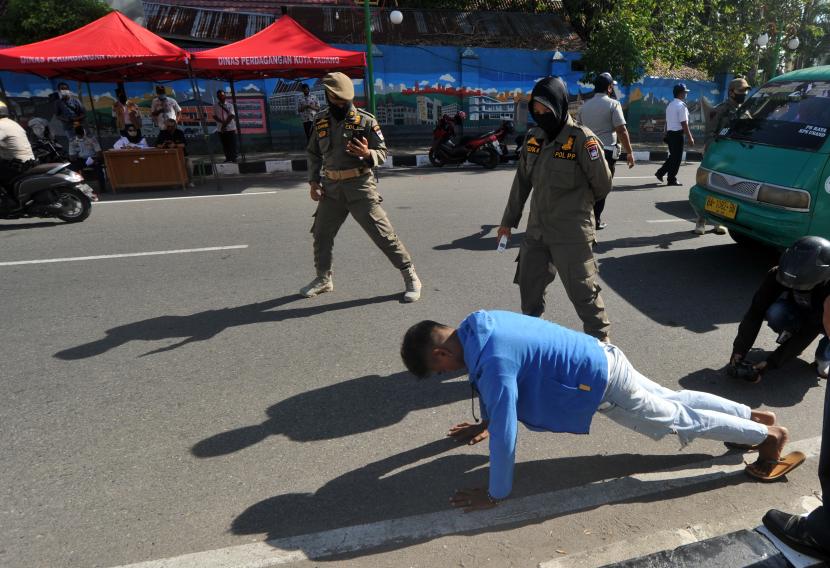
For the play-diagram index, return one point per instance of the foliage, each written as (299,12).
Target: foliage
(27,21)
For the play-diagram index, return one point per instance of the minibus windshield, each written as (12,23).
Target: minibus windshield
(789,114)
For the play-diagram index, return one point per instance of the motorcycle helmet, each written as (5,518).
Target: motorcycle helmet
(4,110)
(806,264)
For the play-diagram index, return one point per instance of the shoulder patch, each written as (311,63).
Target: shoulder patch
(593,148)
(378,133)
(532,145)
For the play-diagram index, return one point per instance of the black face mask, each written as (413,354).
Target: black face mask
(553,94)
(739,98)
(133,136)
(339,113)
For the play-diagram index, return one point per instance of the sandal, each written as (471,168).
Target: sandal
(770,470)
(741,447)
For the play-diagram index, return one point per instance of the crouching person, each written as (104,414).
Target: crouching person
(529,370)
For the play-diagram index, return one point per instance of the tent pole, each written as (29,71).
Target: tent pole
(95,114)
(236,120)
(203,120)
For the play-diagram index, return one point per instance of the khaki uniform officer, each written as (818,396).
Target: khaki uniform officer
(563,163)
(345,144)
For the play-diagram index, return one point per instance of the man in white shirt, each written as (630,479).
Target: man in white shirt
(164,107)
(677,124)
(16,154)
(603,114)
(307,107)
(225,117)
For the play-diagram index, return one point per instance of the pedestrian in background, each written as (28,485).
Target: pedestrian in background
(69,110)
(85,152)
(677,125)
(164,107)
(603,114)
(345,145)
(562,162)
(125,111)
(307,107)
(225,116)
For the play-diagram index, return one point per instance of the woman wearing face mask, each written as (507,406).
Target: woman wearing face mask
(563,163)
(131,140)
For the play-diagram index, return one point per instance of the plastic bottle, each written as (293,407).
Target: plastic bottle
(502,244)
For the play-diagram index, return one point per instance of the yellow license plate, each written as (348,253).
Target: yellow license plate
(721,207)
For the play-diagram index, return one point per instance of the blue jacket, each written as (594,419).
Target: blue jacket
(534,371)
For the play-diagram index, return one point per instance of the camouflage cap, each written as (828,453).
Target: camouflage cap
(339,85)
(739,85)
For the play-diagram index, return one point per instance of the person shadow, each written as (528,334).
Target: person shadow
(342,409)
(482,241)
(392,487)
(205,325)
(779,388)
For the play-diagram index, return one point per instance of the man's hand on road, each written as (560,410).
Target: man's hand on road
(504,231)
(475,499)
(317,192)
(470,433)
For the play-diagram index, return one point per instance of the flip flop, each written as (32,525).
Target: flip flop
(741,447)
(770,470)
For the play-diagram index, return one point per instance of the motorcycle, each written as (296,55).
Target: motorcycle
(486,150)
(47,190)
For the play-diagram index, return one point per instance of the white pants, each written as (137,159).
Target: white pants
(640,404)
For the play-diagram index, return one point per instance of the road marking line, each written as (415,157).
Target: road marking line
(125,255)
(153,199)
(434,525)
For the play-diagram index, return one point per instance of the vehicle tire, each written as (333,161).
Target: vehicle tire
(743,240)
(76,205)
(492,158)
(434,160)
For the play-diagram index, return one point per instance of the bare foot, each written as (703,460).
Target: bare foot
(772,448)
(764,417)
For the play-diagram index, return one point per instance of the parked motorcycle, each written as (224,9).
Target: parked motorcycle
(47,190)
(486,149)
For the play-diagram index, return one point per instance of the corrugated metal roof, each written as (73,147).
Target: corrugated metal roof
(345,24)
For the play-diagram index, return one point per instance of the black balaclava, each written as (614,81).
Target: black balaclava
(339,113)
(552,93)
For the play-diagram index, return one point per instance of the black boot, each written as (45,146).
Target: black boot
(792,530)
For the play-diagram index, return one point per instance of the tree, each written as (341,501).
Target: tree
(27,21)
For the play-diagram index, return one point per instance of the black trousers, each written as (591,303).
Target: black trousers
(307,126)
(228,140)
(671,166)
(818,522)
(10,169)
(599,206)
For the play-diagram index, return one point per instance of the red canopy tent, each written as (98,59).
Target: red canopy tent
(283,49)
(110,49)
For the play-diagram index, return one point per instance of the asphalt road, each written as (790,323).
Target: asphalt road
(160,405)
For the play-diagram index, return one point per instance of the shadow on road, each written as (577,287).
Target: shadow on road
(36,225)
(695,289)
(663,242)
(779,388)
(482,241)
(421,481)
(205,325)
(681,209)
(351,407)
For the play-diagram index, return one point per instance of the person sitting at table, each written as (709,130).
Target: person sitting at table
(171,137)
(131,140)
(85,152)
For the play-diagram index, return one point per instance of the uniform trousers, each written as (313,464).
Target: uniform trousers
(599,205)
(358,197)
(539,263)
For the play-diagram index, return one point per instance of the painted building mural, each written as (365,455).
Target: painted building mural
(414,87)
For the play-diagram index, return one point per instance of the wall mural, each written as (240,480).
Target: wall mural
(414,87)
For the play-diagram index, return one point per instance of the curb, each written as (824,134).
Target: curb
(393,161)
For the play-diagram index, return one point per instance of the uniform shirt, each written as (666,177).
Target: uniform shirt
(14,144)
(676,112)
(766,295)
(567,175)
(169,109)
(327,146)
(307,114)
(603,115)
(221,113)
(86,147)
(532,371)
(720,118)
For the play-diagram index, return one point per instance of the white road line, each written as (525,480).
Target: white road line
(153,199)
(433,525)
(125,255)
